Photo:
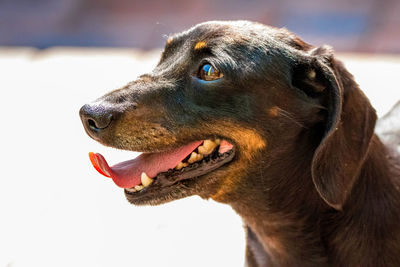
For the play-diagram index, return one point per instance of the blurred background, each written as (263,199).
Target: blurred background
(56,55)
(349,25)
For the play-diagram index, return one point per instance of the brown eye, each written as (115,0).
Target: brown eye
(209,73)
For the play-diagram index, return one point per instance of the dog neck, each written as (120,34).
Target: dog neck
(292,222)
(280,206)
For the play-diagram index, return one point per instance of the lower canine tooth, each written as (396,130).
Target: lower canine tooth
(132,190)
(146,180)
(139,187)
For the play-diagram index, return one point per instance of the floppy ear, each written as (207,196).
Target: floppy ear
(348,128)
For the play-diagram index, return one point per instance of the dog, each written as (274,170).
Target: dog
(254,117)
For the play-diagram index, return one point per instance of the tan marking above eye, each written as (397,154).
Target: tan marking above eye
(274,111)
(200,45)
(169,40)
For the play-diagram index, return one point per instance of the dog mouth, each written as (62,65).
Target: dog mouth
(167,168)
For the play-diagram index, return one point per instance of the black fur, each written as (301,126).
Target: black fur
(312,182)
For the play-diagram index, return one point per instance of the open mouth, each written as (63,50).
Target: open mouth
(166,168)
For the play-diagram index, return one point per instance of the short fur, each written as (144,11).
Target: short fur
(313,183)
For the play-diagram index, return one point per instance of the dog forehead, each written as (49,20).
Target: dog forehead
(221,31)
(216,37)
(220,36)
(224,32)
(248,33)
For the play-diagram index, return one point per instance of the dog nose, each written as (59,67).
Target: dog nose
(96,118)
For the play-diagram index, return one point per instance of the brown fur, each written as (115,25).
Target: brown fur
(313,183)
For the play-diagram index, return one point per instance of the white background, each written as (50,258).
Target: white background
(56,210)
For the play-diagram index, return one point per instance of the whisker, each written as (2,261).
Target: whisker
(289,116)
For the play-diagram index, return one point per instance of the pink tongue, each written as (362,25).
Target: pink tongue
(127,174)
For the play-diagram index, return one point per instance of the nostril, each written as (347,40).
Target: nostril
(92,125)
(99,122)
(96,118)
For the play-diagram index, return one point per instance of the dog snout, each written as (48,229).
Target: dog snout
(97,119)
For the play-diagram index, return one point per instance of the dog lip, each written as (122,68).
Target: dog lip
(167,180)
(195,170)
(127,174)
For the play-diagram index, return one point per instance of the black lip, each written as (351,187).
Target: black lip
(210,163)
(169,178)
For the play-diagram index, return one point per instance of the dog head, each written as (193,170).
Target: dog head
(244,98)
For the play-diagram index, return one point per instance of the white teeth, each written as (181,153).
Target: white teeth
(181,165)
(208,146)
(195,157)
(132,190)
(139,187)
(146,180)
(204,150)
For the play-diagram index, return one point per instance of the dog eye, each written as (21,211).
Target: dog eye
(209,73)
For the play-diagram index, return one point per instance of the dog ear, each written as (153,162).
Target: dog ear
(348,127)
